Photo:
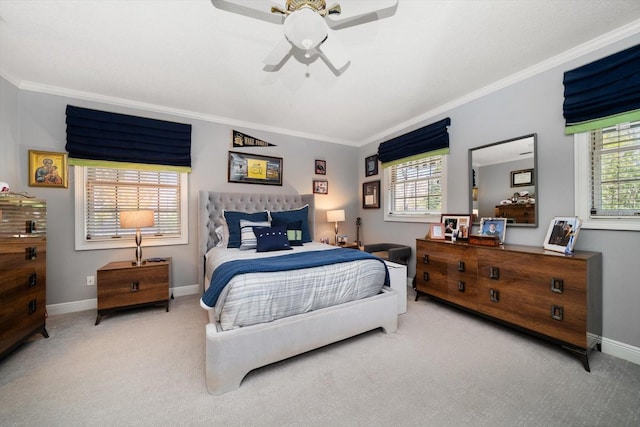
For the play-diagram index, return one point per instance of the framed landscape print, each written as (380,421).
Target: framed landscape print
(48,169)
(371,195)
(254,169)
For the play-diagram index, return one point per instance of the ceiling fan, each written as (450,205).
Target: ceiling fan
(307,25)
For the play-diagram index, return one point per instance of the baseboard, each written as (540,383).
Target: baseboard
(621,350)
(92,304)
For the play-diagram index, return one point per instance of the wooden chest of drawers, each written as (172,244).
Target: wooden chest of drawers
(519,213)
(123,285)
(23,252)
(551,295)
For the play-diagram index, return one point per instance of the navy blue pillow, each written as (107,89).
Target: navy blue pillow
(272,239)
(294,231)
(233,222)
(301,214)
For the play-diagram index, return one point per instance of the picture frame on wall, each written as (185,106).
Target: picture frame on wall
(494,227)
(562,234)
(248,168)
(371,195)
(456,226)
(371,165)
(522,178)
(320,186)
(48,169)
(321,167)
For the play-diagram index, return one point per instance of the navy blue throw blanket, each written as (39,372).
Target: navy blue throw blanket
(225,272)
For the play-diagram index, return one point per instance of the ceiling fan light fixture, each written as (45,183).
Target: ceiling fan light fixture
(305,28)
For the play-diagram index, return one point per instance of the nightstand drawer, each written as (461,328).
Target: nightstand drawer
(120,284)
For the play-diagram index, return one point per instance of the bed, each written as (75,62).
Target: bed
(232,351)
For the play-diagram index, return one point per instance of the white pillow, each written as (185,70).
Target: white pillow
(248,238)
(220,235)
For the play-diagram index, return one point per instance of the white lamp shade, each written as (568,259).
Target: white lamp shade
(305,28)
(136,219)
(335,216)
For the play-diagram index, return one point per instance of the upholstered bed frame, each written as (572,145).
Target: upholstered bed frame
(230,355)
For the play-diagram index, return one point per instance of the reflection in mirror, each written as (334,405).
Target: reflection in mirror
(503,181)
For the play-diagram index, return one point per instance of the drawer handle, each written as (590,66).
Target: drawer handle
(135,286)
(425,259)
(32,280)
(494,295)
(556,312)
(494,273)
(31,253)
(30,227)
(31,306)
(460,265)
(557,285)
(425,276)
(461,286)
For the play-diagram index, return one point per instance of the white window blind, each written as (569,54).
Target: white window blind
(615,171)
(111,191)
(416,187)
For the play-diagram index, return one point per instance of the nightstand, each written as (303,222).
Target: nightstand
(122,285)
(352,245)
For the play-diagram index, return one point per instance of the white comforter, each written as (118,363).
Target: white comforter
(254,298)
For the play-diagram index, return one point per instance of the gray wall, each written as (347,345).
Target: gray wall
(531,106)
(39,120)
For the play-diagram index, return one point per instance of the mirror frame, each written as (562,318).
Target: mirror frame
(534,184)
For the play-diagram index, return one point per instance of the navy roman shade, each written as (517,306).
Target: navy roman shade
(99,138)
(427,141)
(603,93)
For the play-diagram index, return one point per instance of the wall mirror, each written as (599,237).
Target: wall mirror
(503,178)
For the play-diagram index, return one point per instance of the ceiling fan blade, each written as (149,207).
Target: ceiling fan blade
(356,13)
(279,53)
(334,53)
(258,9)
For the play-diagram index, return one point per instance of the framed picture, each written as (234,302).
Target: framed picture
(254,169)
(321,167)
(371,165)
(456,226)
(371,195)
(436,231)
(494,227)
(522,178)
(48,169)
(562,234)
(320,186)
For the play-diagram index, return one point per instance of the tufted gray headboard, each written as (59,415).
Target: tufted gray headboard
(211,204)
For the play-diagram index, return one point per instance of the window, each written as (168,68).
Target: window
(415,190)
(608,177)
(102,193)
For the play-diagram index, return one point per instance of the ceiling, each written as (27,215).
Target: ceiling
(191,59)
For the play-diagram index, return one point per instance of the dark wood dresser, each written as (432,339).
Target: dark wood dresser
(548,294)
(23,266)
(518,212)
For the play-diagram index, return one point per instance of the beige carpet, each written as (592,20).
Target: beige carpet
(442,368)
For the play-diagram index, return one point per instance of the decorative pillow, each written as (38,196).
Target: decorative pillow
(219,230)
(233,222)
(272,239)
(247,236)
(294,231)
(301,214)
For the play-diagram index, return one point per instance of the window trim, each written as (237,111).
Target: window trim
(582,182)
(80,202)
(416,218)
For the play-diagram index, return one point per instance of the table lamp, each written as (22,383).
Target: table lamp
(335,216)
(137,220)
